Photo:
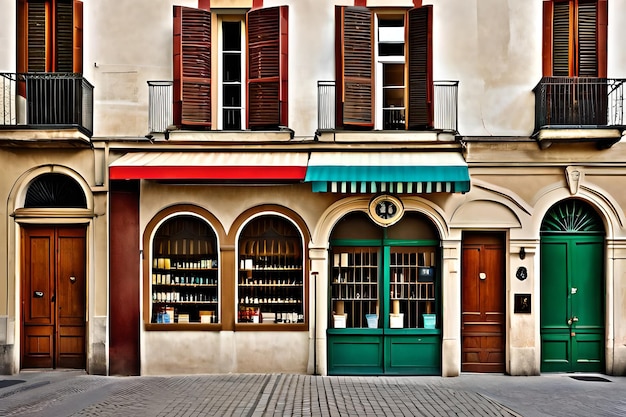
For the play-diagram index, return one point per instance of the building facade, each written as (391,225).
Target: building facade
(355,187)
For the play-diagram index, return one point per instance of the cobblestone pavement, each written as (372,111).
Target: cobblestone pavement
(73,393)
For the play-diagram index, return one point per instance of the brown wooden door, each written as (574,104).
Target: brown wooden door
(53,297)
(483,303)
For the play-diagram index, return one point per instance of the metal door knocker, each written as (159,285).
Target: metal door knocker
(522,273)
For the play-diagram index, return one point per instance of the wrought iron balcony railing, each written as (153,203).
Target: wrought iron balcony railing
(46,101)
(445,108)
(579,102)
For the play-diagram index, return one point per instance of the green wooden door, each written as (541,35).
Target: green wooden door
(572,303)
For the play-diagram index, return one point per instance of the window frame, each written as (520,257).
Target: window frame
(601,36)
(220,70)
(269,112)
(51,59)
(356,84)
(300,326)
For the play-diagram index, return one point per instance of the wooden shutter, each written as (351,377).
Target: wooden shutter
(420,113)
(78,37)
(355,71)
(64,37)
(192,67)
(561,31)
(574,38)
(587,55)
(36,38)
(267,37)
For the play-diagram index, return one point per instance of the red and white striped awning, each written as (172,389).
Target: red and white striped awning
(211,166)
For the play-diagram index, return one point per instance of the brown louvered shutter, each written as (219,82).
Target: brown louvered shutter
(355,71)
(561,59)
(78,37)
(267,36)
(64,36)
(36,44)
(192,67)
(420,114)
(587,52)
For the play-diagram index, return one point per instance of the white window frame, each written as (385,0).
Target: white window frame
(380,60)
(220,75)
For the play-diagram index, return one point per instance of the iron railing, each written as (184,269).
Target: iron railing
(46,101)
(160,114)
(579,102)
(445,103)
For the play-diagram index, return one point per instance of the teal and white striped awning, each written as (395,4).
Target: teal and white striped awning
(388,172)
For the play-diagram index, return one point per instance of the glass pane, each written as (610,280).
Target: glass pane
(185,279)
(412,287)
(231,95)
(393,119)
(270,286)
(231,36)
(231,67)
(390,49)
(393,75)
(231,119)
(354,287)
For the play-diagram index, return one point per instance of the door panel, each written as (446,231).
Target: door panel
(37,298)
(572,303)
(53,308)
(71,298)
(483,303)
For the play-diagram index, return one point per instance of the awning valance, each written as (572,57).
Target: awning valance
(392,172)
(212,166)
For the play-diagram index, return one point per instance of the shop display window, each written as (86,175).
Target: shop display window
(185,283)
(404,290)
(271,284)
(354,287)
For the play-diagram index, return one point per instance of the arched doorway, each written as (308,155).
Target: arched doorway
(53,279)
(384,297)
(572,289)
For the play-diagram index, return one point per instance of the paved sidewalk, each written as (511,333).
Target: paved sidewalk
(73,393)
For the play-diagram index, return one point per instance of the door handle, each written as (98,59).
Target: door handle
(37,294)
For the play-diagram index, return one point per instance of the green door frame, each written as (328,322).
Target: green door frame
(572,302)
(386,351)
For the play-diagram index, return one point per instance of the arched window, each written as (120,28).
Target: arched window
(271,284)
(54,191)
(185,279)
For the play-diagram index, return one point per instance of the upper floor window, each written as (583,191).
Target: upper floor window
(250,89)
(50,36)
(384,68)
(575,34)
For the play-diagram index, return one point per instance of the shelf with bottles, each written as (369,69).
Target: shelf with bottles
(185,312)
(413,293)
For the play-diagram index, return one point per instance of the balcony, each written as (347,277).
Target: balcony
(581,109)
(445,108)
(46,101)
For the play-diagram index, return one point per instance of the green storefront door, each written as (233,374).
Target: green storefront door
(572,303)
(383,302)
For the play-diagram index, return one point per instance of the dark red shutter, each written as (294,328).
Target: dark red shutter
(355,72)
(192,67)
(267,36)
(601,47)
(78,37)
(420,114)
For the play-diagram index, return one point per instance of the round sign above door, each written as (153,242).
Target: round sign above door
(386,209)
